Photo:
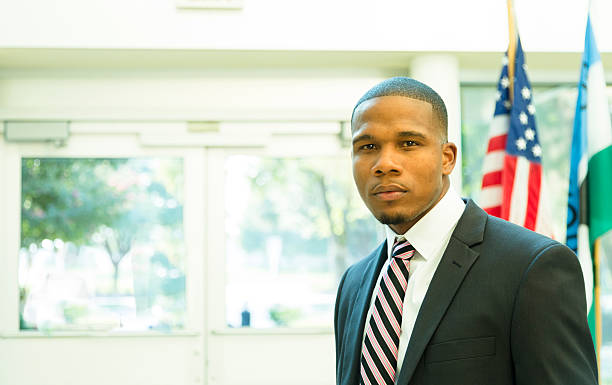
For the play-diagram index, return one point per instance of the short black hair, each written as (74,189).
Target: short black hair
(410,88)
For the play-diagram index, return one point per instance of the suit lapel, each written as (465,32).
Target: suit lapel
(356,320)
(454,265)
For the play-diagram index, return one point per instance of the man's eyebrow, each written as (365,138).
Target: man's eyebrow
(405,134)
(362,137)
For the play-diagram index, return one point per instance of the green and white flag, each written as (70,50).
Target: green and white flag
(589,213)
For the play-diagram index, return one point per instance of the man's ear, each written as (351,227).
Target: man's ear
(449,157)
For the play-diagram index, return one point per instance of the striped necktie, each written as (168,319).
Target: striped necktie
(379,350)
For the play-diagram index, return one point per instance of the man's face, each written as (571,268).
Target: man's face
(400,160)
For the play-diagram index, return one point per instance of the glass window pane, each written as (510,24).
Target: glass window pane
(292,228)
(102,244)
(477,104)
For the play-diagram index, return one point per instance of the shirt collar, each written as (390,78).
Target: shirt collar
(443,217)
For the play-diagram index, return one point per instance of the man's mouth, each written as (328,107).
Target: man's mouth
(388,192)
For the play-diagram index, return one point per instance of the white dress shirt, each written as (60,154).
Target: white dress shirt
(429,236)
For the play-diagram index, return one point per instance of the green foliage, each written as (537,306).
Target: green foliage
(73,312)
(283,315)
(62,199)
(71,199)
(111,202)
(311,204)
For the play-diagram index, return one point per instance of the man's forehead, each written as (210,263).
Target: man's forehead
(392,107)
(405,102)
(398,108)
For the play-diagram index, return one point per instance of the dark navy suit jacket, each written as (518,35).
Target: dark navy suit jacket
(505,306)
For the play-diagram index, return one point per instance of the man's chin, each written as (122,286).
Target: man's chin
(392,219)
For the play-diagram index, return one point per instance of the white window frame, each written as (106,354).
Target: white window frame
(87,144)
(206,351)
(167,357)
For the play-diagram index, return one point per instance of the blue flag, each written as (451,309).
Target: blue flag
(589,208)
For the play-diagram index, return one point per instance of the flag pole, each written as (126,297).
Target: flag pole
(511,47)
(596,302)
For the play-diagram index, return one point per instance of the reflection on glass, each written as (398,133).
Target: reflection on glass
(102,244)
(292,228)
(477,105)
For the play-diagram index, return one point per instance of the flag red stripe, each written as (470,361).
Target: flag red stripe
(508,184)
(497,143)
(495,211)
(533,195)
(492,178)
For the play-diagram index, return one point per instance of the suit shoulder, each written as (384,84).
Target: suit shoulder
(514,249)
(506,235)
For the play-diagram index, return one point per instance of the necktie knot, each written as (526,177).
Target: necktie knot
(402,249)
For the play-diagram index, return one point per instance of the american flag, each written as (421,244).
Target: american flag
(512,169)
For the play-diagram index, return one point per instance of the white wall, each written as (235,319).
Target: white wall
(101,360)
(176,95)
(435,25)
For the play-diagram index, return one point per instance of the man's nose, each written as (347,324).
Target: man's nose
(387,163)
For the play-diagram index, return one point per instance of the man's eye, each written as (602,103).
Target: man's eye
(409,143)
(368,147)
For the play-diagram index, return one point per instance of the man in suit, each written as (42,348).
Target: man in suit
(453,296)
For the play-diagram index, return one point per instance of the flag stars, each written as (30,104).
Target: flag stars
(525,67)
(505,82)
(537,151)
(529,134)
(521,144)
(498,95)
(523,117)
(531,109)
(526,93)
(505,60)
(507,104)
